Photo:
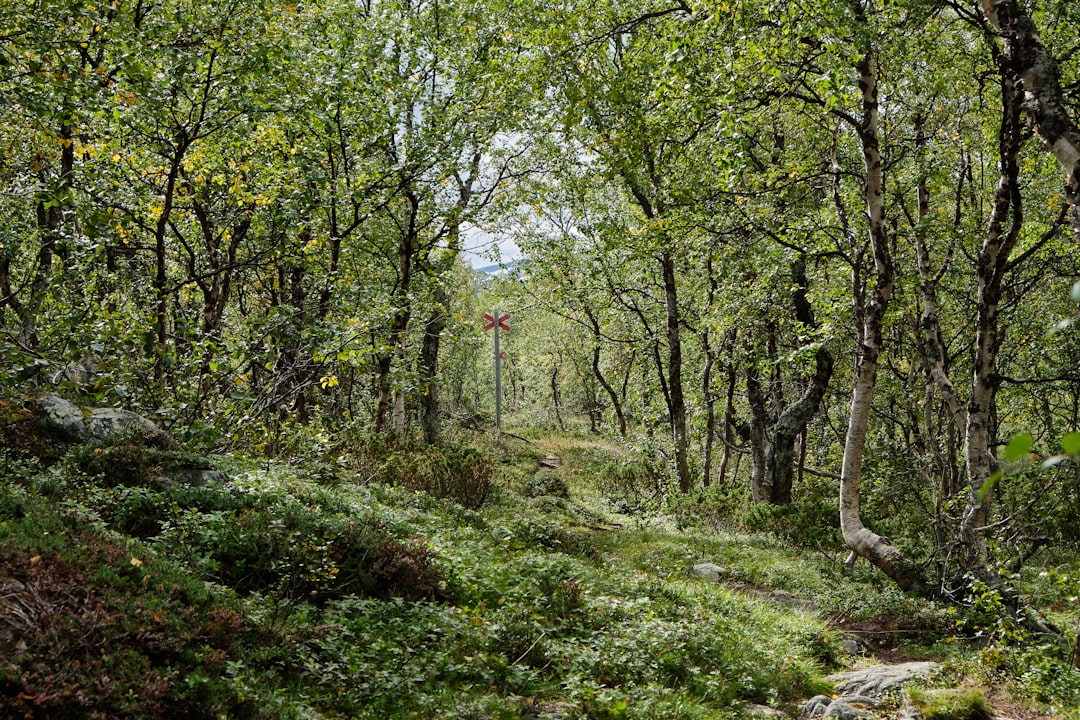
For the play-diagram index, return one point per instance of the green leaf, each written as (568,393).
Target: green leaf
(989,484)
(1018,447)
(1071,443)
(1075,294)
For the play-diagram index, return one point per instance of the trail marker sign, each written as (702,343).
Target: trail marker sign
(494,320)
(490,321)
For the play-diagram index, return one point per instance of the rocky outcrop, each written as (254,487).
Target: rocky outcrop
(89,425)
(879,680)
(119,446)
(861,692)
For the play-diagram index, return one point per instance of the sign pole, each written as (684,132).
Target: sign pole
(498,375)
(497,322)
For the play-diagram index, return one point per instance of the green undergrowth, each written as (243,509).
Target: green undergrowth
(951,704)
(352,587)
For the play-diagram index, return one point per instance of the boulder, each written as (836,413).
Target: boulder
(763,711)
(710,571)
(851,707)
(58,415)
(93,425)
(103,423)
(784,598)
(851,646)
(879,680)
(860,690)
(120,446)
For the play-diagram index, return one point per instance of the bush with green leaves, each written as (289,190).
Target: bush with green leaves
(102,627)
(458,472)
(950,704)
(279,545)
(633,486)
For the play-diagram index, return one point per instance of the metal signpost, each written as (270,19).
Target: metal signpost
(497,324)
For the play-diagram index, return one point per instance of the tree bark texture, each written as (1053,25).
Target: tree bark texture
(399,323)
(429,365)
(932,346)
(862,541)
(1039,78)
(774,454)
(616,402)
(675,386)
(1002,233)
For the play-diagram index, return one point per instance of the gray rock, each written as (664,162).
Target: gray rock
(851,707)
(59,414)
(763,711)
(710,571)
(102,423)
(881,680)
(848,707)
(783,597)
(851,646)
(89,425)
(815,707)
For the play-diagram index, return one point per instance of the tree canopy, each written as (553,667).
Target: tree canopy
(786,254)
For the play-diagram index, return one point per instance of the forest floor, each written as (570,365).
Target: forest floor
(307,589)
(889,638)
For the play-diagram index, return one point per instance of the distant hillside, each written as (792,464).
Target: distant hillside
(499,268)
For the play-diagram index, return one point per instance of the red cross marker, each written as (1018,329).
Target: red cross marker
(490,322)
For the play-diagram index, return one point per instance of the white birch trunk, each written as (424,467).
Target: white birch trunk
(1037,72)
(862,541)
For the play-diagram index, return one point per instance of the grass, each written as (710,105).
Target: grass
(307,591)
(951,704)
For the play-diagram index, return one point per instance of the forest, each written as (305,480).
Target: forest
(794,283)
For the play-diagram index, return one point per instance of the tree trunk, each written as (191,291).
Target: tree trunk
(675,387)
(706,380)
(429,365)
(729,424)
(608,389)
(555,399)
(934,354)
(1002,233)
(710,408)
(862,541)
(759,491)
(932,350)
(1038,77)
(774,453)
(442,263)
(780,465)
(161,296)
(399,323)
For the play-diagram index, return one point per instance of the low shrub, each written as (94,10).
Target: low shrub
(283,548)
(951,704)
(546,482)
(807,523)
(106,630)
(134,460)
(632,486)
(458,473)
